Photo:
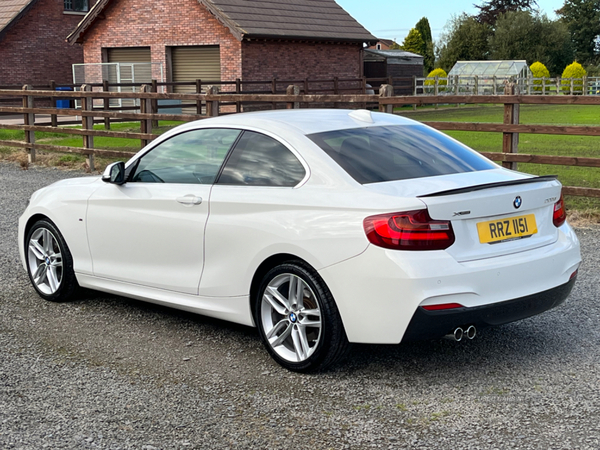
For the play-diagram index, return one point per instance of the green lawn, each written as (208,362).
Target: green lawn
(540,144)
(70,140)
(106,143)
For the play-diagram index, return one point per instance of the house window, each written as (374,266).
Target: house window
(77,5)
(378,46)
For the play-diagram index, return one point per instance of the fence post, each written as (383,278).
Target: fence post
(53,119)
(292,90)
(414,86)
(29,119)
(456,88)
(386,90)
(584,87)
(106,103)
(154,103)
(212,106)
(198,102)
(543,85)
(558,85)
(238,90)
(476,86)
(495,89)
(436,89)
(87,123)
(571,91)
(510,141)
(145,108)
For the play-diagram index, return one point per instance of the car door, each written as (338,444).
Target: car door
(251,205)
(150,230)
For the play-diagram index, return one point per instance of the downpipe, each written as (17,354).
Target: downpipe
(459,334)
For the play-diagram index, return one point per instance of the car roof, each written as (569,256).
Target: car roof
(305,121)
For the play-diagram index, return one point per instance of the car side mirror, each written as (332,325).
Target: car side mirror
(114,173)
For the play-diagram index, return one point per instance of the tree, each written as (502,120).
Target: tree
(538,70)
(582,17)
(464,39)
(532,37)
(413,42)
(423,27)
(430,80)
(577,72)
(490,10)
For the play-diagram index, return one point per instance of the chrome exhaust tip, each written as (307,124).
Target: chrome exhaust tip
(471,332)
(456,335)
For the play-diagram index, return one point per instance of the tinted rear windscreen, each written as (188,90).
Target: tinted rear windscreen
(376,154)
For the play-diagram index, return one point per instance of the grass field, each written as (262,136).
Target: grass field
(75,160)
(537,144)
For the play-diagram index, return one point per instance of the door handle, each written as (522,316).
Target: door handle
(189,200)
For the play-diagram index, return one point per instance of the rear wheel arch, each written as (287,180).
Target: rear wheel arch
(265,267)
(330,344)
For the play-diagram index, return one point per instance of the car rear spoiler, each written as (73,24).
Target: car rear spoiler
(480,187)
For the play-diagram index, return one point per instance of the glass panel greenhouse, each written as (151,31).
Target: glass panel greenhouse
(487,77)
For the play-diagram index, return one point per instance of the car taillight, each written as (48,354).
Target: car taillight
(410,230)
(560,214)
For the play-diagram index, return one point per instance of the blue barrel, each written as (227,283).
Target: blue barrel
(63,103)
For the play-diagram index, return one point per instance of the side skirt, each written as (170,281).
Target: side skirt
(231,309)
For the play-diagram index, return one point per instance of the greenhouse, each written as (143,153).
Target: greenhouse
(488,77)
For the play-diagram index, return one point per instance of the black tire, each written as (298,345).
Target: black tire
(289,331)
(49,262)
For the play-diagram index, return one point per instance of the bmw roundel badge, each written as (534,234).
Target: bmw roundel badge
(293,317)
(518,202)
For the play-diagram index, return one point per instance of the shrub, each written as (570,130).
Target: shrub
(577,72)
(539,71)
(443,79)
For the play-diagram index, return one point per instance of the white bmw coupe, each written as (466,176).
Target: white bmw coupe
(319,227)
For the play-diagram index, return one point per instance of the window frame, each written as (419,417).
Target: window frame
(290,148)
(132,164)
(68,6)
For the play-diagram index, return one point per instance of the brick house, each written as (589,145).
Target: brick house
(382,44)
(32,40)
(224,39)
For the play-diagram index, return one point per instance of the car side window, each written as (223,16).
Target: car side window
(192,157)
(258,160)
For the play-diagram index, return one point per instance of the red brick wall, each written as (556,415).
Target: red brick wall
(34,51)
(296,61)
(140,23)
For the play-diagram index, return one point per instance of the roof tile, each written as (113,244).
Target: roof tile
(247,19)
(9,9)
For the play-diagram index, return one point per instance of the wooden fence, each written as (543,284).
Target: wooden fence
(213,103)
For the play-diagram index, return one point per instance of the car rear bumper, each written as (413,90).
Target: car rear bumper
(379,292)
(436,324)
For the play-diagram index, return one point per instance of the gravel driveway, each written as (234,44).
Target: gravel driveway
(111,373)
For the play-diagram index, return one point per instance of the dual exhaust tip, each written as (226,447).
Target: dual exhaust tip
(459,333)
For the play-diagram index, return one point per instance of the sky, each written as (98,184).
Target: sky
(392,19)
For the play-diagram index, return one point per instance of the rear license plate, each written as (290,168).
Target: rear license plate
(505,229)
